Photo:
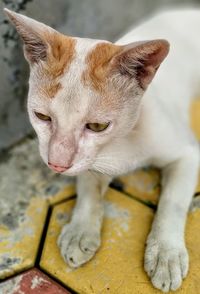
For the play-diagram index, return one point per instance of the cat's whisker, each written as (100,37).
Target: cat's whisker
(109,158)
(107,168)
(100,168)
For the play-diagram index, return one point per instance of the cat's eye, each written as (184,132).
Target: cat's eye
(96,127)
(42,116)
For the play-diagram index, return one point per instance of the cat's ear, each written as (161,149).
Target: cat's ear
(140,60)
(34,34)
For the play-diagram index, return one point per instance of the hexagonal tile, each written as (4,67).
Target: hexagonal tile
(32,282)
(143,184)
(24,176)
(65,193)
(195,123)
(118,265)
(20,235)
(22,222)
(195,116)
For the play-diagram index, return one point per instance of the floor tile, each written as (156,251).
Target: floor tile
(195,117)
(118,266)
(63,194)
(143,184)
(195,123)
(21,229)
(24,175)
(20,235)
(32,282)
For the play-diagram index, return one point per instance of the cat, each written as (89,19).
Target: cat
(97,115)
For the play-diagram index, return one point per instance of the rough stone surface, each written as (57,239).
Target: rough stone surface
(27,188)
(32,282)
(23,176)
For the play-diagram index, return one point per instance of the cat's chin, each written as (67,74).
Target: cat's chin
(74,171)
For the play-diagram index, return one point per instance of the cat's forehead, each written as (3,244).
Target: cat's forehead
(88,65)
(74,62)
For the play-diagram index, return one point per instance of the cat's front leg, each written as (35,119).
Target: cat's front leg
(166,257)
(81,238)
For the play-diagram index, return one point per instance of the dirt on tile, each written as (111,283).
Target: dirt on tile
(23,175)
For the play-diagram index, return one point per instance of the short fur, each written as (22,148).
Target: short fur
(79,81)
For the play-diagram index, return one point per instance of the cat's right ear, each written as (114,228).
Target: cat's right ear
(34,34)
(140,60)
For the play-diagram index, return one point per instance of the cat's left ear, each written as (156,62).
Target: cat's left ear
(36,36)
(140,60)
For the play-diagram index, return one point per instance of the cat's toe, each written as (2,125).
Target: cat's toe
(78,245)
(166,265)
(90,242)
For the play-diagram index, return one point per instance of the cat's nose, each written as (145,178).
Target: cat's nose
(59,169)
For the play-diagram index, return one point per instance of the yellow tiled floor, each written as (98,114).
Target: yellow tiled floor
(118,265)
(64,194)
(195,117)
(143,184)
(19,246)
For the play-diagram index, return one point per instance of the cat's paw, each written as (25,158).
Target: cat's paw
(166,264)
(78,243)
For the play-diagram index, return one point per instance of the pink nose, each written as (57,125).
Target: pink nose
(57,168)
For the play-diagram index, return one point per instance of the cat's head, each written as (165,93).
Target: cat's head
(83,93)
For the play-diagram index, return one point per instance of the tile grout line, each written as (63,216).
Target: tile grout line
(120,189)
(46,225)
(72,197)
(40,250)
(42,241)
(43,236)
(72,291)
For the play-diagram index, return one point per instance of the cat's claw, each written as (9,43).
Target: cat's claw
(165,264)
(78,243)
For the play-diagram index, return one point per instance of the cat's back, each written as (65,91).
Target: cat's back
(178,78)
(170,24)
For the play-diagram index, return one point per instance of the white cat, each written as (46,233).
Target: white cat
(89,106)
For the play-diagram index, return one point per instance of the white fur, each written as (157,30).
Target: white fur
(156,132)
(162,138)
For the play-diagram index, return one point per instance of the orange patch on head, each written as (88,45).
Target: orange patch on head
(97,65)
(59,57)
(62,52)
(51,89)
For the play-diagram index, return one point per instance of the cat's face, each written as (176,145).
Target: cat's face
(83,93)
